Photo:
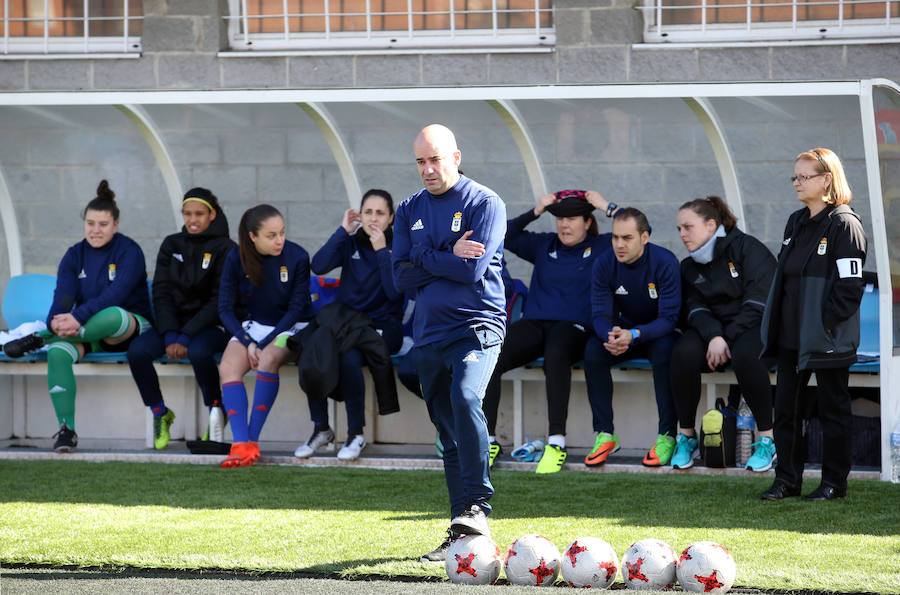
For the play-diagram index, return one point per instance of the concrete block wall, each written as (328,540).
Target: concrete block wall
(597,41)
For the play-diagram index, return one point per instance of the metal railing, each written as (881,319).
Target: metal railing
(769,20)
(388,24)
(55,27)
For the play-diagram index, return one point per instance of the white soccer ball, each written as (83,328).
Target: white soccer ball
(649,564)
(473,560)
(706,567)
(532,560)
(590,562)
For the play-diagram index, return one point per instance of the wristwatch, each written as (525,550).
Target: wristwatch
(611,208)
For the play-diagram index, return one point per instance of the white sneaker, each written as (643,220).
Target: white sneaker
(316,441)
(352,447)
(472,521)
(217,424)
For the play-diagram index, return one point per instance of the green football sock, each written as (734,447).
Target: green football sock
(61,381)
(110,322)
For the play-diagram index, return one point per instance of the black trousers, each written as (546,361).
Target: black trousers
(689,361)
(560,343)
(794,405)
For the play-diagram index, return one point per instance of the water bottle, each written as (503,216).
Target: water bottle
(895,456)
(745,425)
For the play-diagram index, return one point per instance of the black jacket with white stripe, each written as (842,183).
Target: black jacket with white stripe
(831,288)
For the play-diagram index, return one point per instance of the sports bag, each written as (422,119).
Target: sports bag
(718,436)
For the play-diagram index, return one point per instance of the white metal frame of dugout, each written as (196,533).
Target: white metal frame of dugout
(503,100)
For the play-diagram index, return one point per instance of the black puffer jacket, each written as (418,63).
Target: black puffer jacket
(831,288)
(336,329)
(186,281)
(726,297)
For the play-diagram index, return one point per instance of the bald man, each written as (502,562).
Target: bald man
(447,253)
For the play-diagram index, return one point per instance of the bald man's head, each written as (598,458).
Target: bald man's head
(437,158)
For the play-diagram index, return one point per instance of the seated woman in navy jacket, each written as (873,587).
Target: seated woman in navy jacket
(557,318)
(272,275)
(185,295)
(100,303)
(361,247)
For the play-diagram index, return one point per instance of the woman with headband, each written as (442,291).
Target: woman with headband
(185,296)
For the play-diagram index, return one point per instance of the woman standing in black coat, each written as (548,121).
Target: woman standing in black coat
(185,297)
(811,324)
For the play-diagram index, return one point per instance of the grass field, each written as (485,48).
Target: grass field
(354,522)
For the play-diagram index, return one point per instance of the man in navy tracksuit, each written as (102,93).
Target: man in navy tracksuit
(447,251)
(635,302)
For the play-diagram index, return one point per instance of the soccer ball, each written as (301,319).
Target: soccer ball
(706,567)
(532,560)
(590,562)
(649,564)
(473,560)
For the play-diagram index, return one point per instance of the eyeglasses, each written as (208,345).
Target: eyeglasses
(803,179)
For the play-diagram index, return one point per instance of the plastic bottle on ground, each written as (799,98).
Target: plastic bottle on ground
(745,425)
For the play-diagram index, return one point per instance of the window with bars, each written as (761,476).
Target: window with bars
(383,24)
(769,20)
(70,26)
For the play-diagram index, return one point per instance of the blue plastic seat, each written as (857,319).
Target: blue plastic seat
(868,326)
(28,298)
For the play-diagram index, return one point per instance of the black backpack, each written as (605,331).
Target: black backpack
(718,436)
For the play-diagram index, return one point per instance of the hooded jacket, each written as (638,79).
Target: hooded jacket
(726,297)
(336,329)
(831,288)
(186,281)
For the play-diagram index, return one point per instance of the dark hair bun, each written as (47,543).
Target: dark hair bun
(104,192)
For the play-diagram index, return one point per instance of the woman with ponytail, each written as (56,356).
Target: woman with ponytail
(271,274)
(100,304)
(361,246)
(725,281)
(185,296)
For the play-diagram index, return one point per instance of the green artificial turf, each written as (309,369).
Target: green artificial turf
(351,522)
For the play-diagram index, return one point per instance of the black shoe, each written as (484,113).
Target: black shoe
(780,491)
(825,492)
(471,521)
(23,345)
(439,554)
(66,439)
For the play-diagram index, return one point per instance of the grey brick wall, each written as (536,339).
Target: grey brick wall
(598,41)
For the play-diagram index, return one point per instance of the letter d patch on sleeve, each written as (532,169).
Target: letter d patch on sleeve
(849,267)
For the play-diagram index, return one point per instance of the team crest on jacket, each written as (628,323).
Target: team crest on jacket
(284,275)
(111,272)
(823,247)
(586,253)
(206,258)
(733,270)
(651,289)
(456,225)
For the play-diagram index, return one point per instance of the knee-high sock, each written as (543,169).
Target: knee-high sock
(263,397)
(234,397)
(110,322)
(61,381)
